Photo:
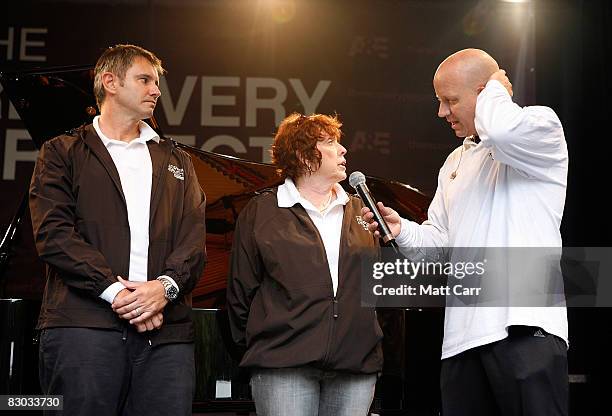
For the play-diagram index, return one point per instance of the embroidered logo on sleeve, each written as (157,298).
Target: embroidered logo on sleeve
(177,172)
(362,222)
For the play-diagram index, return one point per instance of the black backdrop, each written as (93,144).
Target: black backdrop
(374,61)
(574,47)
(237,67)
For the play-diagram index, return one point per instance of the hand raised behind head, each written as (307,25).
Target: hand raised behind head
(500,75)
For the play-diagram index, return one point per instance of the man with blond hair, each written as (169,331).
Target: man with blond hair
(503,187)
(118,217)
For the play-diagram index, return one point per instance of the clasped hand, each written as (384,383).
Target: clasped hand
(142,303)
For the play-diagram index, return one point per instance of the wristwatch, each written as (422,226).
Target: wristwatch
(171,291)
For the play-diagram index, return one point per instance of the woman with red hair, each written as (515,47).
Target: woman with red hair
(294,294)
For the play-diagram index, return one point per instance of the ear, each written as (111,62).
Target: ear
(109,82)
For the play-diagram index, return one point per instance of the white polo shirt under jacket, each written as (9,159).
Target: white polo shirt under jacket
(133,163)
(328,222)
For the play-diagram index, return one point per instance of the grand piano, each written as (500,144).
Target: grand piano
(53,101)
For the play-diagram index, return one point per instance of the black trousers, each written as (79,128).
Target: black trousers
(104,372)
(524,374)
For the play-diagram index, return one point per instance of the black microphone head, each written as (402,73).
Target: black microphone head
(357,178)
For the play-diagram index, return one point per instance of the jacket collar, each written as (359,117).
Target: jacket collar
(93,141)
(160,151)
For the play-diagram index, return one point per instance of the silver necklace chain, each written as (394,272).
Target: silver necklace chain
(328,203)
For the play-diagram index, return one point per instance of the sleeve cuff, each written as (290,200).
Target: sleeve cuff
(111,291)
(171,281)
(493,83)
(404,237)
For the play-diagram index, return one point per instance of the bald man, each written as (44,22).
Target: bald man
(503,187)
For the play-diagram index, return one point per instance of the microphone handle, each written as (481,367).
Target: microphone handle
(394,245)
(370,202)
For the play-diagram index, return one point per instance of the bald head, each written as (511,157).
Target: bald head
(457,82)
(470,67)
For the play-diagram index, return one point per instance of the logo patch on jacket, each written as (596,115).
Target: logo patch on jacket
(177,172)
(362,222)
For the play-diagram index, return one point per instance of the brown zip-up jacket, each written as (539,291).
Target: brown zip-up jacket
(81,230)
(280,297)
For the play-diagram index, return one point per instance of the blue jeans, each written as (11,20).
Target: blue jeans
(308,391)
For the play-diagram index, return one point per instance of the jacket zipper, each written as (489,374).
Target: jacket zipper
(332,327)
(335,312)
(334,299)
(335,307)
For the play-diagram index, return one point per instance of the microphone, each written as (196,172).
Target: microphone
(358,181)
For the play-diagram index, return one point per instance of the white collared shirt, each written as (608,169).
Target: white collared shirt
(508,191)
(133,163)
(328,222)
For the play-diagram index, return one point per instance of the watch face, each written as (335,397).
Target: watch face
(171,293)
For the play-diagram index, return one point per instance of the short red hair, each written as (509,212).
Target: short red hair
(294,150)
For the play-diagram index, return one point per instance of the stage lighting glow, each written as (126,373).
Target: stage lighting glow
(284,11)
(281,11)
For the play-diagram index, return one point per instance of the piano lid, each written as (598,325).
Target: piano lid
(52,101)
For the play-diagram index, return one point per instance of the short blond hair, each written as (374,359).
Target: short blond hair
(117,60)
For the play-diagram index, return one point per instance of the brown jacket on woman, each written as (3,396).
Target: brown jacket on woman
(281,303)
